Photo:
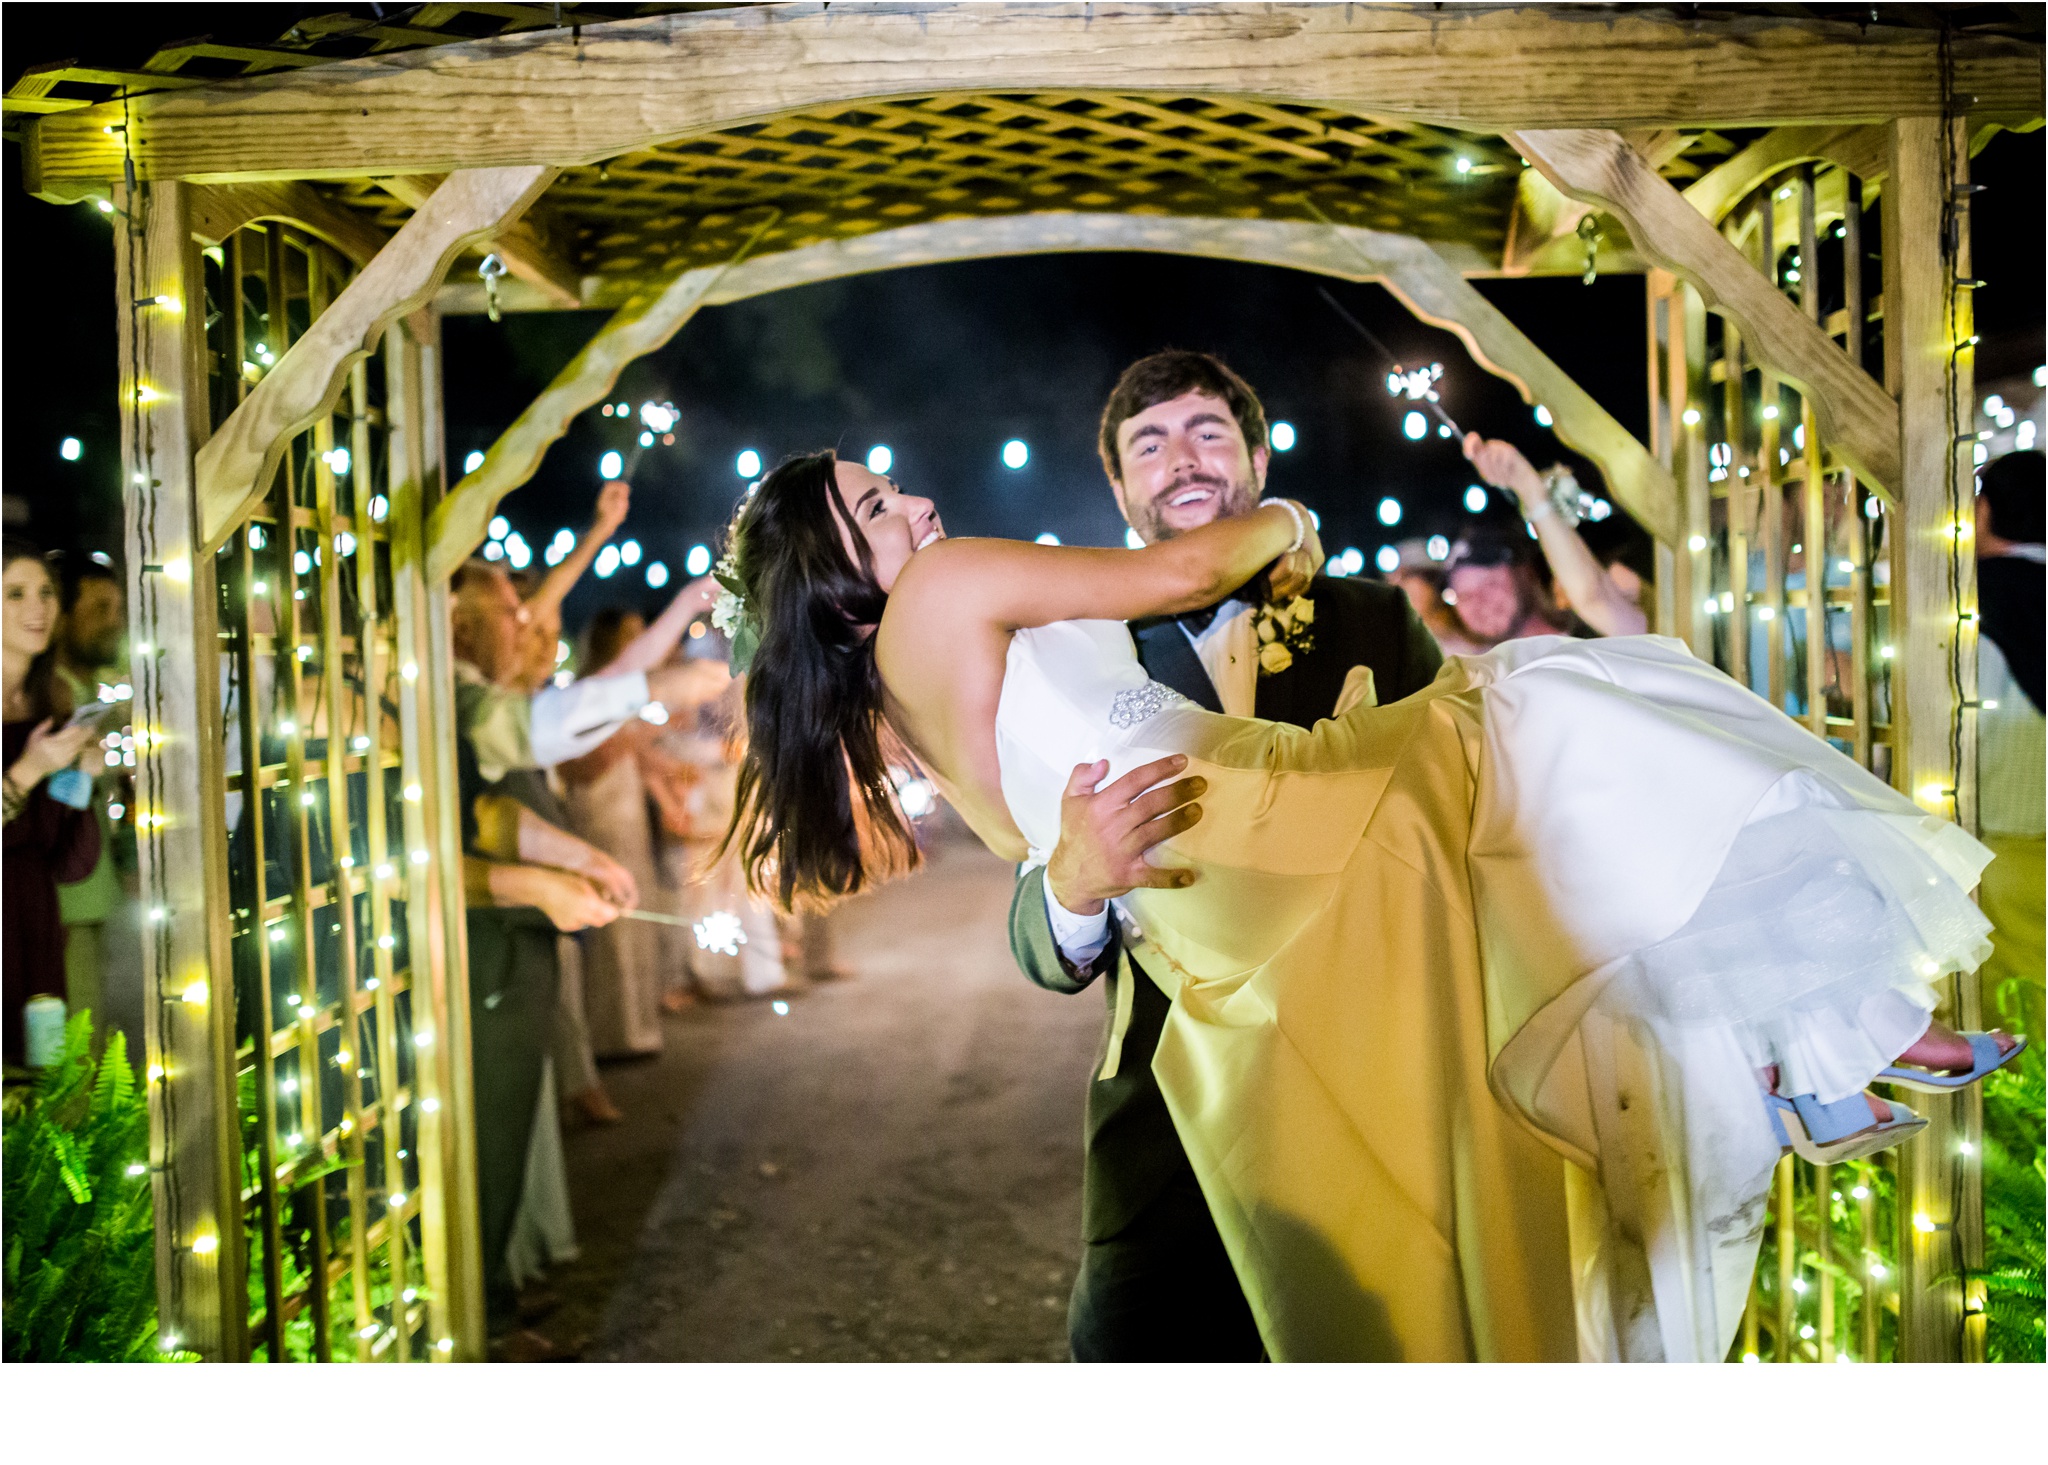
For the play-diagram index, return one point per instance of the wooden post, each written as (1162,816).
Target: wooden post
(1813,497)
(1933,670)
(1786,1226)
(181,845)
(1669,404)
(1736,412)
(1690,472)
(1770,408)
(434,907)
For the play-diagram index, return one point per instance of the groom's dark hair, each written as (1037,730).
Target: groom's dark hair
(1165,375)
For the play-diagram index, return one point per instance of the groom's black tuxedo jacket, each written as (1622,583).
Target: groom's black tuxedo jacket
(1132,1150)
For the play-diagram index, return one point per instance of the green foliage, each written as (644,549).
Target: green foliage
(79,1230)
(2014,1207)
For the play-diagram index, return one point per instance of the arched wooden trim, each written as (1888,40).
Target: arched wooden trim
(1857,416)
(218,212)
(239,459)
(635,329)
(578,95)
(1424,280)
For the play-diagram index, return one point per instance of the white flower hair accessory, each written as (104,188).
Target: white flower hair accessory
(729,615)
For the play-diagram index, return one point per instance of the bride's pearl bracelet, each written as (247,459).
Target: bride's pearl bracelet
(1300,524)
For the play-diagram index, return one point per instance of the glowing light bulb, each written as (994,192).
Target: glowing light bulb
(1283,437)
(1697,543)
(610,466)
(747,464)
(880,458)
(1017,452)
(205,1244)
(1475,499)
(1390,511)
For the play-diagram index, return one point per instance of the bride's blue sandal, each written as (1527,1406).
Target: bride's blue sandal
(1983,1049)
(1831,1134)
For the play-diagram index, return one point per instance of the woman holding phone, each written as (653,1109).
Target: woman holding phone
(48,839)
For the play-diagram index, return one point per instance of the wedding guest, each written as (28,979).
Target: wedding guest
(1608,598)
(574,1066)
(2010,745)
(1421,579)
(607,804)
(1495,594)
(525,879)
(47,840)
(87,653)
(608,799)
(735,947)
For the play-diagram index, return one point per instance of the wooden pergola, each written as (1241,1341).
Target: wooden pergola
(287,218)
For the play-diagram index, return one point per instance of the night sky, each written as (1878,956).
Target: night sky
(943,364)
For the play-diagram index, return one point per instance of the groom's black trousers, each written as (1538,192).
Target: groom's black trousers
(1162,1290)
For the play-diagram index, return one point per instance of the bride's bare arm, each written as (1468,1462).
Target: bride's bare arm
(1011,585)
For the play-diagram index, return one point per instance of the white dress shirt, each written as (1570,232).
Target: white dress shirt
(508,730)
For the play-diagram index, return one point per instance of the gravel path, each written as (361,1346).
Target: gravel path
(889,1171)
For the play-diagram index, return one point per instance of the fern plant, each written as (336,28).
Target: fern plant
(2014,1204)
(80,1238)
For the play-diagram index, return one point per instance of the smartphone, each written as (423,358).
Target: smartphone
(93,713)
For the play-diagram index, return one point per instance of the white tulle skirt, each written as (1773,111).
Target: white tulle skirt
(1817,944)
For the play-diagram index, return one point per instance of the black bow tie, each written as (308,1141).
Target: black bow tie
(1199,621)
(1196,621)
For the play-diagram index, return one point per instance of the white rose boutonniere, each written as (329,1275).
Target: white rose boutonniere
(1283,632)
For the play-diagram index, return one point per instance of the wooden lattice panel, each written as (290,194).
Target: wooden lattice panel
(870,166)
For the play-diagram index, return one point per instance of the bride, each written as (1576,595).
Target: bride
(1586,899)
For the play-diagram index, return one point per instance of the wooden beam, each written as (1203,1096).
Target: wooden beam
(1931,644)
(218,212)
(181,840)
(1425,280)
(647,324)
(1420,279)
(529,254)
(1859,420)
(1715,192)
(582,94)
(238,460)
(1542,217)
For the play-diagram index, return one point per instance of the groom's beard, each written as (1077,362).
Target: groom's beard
(1232,500)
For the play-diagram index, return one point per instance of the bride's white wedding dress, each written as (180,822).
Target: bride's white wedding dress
(1571,895)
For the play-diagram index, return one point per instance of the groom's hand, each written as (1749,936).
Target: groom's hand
(1104,832)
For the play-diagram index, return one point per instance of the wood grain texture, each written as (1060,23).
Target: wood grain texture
(436,929)
(1715,192)
(1427,281)
(238,460)
(641,326)
(1925,631)
(1860,421)
(1543,218)
(181,843)
(218,211)
(527,252)
(579,95)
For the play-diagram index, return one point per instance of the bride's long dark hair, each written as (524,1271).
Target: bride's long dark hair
(815,818)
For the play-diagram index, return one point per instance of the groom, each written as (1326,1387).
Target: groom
(1183,440)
